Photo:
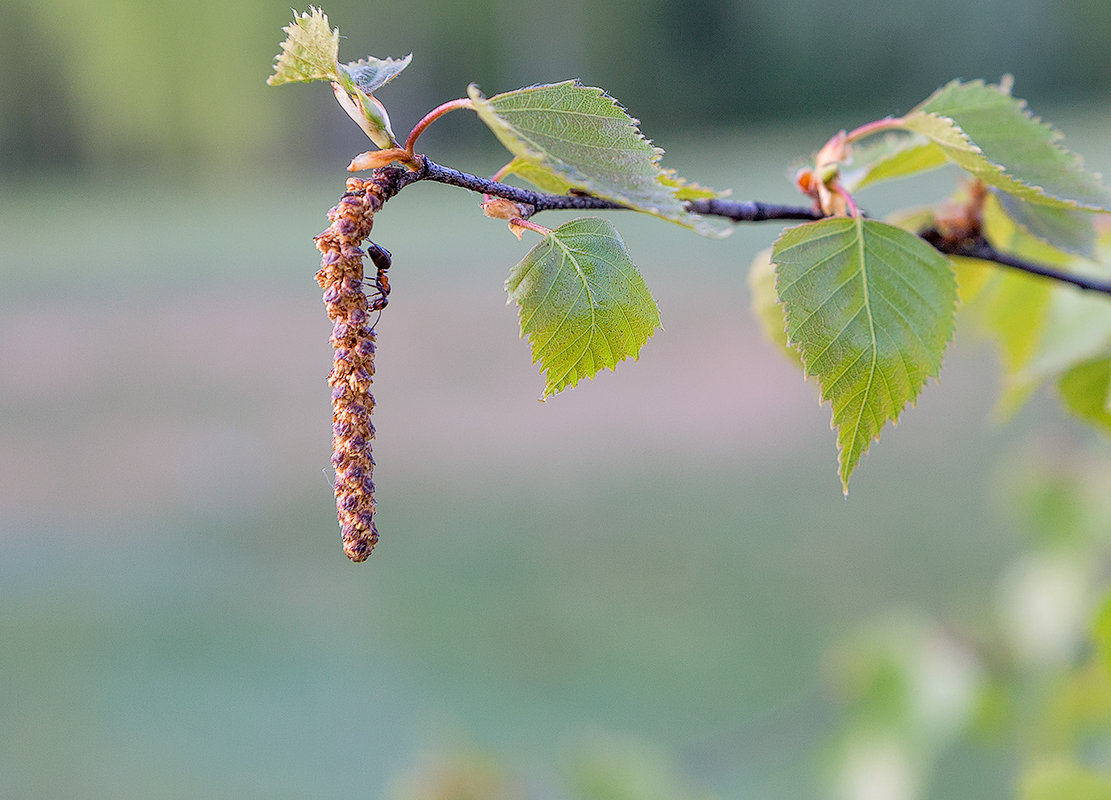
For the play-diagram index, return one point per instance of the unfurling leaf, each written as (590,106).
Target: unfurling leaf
(371,74)
(578,137)
(870,308)
(310,51)
(355,93)
(993,136)
(367,113)
(583,305)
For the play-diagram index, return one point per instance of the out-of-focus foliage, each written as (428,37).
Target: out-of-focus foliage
(464,776)
(126,82)
(598,767)
(1033,678)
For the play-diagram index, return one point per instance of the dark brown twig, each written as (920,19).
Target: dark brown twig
(394,179)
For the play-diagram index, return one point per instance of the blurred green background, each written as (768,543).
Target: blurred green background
(654,563)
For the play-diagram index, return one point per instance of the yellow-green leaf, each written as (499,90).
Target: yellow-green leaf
(766,306)
(583,305)
(1086,392)
(310,51)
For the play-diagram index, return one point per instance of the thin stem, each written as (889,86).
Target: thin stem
(501,173)
(850,203)
(980,248)
(878,126)
(432,116)
(747,211)
(517,222)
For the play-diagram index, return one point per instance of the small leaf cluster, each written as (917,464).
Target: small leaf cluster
(870,307)
(867,307)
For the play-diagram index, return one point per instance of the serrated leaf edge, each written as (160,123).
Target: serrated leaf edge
(288,45)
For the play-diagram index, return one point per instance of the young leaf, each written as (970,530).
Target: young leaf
(870,308)
(371,74)
(582,303)
(310,51)
(892,156)
(580,135)
(1086,392)
(992,135)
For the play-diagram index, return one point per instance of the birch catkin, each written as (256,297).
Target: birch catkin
(341,278)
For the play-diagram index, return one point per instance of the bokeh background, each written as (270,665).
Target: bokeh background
(641,578)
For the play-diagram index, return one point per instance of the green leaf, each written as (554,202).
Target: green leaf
(870,308)
(582,303)
(582,136)
(370,74)
(992,135)
(310,51)
(1008,236)
(1064,781)
(896,155)
(1064,229)
(1086,392)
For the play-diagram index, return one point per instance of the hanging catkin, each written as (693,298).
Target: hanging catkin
(341,278)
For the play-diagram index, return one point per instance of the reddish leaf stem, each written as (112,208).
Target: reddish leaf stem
(878,126)
(432,116)
(532,226)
